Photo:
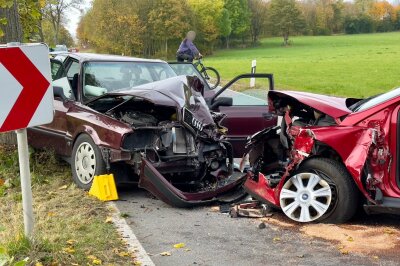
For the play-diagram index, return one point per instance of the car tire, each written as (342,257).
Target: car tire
(334,198)
(86,162)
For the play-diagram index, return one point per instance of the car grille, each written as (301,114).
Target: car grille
(192,121)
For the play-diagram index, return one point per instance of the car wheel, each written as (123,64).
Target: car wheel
(321,190)
(87,162)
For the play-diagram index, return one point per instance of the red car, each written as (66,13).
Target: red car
(328,155)
(137,119)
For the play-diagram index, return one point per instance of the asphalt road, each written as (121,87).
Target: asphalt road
(212,238)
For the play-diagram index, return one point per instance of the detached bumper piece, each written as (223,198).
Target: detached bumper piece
(251,210)
(155,183)
(260,190)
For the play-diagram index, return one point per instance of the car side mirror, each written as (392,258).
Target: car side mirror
(221,101)
(59,93)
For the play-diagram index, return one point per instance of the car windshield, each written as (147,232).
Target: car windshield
(102,77)
(60,49)
(187,69)
(375,100)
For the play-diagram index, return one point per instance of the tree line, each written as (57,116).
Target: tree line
(154,28)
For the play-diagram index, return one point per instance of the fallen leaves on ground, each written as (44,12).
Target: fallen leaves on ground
(179,245)
(389,231)
(94,260)
(165,253)
(276,239)
(69,250)
(109,220)
(71,242)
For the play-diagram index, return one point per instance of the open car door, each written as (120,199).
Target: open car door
(248,112)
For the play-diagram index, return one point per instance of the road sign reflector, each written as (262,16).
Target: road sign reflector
(104,188)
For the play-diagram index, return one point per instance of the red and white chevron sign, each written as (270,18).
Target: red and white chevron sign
(26,94)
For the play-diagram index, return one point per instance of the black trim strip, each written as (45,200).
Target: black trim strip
(50,132)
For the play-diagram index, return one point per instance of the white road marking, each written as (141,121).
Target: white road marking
(125,230)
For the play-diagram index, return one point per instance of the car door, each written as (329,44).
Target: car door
(54,134)
(248,113)
(393,183)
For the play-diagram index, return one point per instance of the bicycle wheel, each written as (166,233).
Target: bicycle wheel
(212,76)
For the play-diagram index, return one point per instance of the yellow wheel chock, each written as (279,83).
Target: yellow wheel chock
(104,188)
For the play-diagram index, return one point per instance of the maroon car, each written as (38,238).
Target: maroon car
(135,118)
(328,155)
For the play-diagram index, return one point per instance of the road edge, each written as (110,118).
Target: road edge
(133,243)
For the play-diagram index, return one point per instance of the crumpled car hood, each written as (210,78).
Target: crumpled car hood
(176,92)
(167,92)
(333,106)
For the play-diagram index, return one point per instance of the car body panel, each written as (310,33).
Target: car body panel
(333,106)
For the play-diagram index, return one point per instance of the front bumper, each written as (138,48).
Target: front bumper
(153,181)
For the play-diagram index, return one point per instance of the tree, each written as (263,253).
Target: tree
(54,11)
(258,18)
(48,35)
(364,6)
(31,16)
(382,10)
(168,20)
(207,14)
(239,16)
(113,26)
(285,18)
(10,24)
(225,25)
(338,18)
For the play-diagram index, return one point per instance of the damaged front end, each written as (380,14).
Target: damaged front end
(176,145)
(284,159)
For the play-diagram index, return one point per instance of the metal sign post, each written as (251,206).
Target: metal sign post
(26,188)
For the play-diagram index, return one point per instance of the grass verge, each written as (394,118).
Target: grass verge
(71,228)
(344,65)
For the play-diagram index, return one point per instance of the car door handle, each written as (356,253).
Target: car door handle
(268,116)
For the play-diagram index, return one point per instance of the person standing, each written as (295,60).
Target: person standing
(187,50)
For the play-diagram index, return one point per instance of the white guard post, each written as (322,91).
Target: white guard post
(253,71)
(26,188)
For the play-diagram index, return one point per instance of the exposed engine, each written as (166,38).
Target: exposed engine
(181,149)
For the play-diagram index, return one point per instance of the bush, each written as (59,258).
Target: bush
(355,25)
(385,25)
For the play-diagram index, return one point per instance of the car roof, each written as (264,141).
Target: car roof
(103,57)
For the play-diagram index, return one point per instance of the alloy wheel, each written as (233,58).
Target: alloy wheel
(305,197)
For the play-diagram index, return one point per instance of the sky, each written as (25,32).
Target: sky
(73,17)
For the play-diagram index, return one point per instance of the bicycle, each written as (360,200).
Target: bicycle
(210,74)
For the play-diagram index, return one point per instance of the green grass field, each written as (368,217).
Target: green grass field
(345,65)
